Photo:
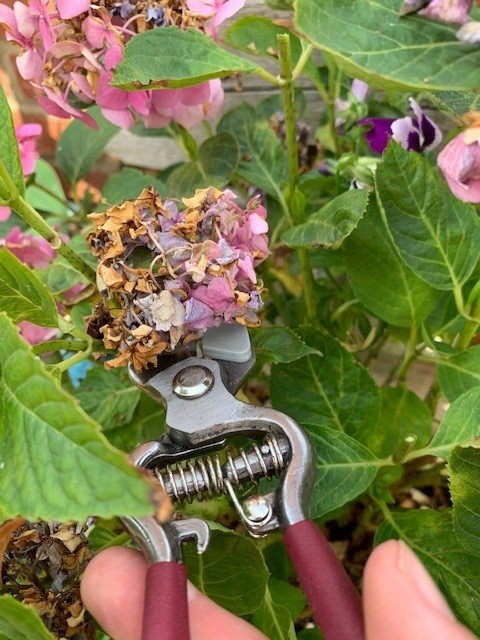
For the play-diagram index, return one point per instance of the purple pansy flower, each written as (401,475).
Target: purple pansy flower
(417,133)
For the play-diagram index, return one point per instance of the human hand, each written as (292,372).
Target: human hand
(401,602)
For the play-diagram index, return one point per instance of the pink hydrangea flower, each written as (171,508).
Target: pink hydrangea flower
(34,251)
(460,164)
(69,49)
(27,135)
(202,270)
(34,334)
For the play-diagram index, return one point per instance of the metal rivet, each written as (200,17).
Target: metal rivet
(258,509)
(192,382)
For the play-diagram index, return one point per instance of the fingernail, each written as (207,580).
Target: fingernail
(420,581)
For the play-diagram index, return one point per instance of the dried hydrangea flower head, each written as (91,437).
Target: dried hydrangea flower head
(170,272)
(70,48)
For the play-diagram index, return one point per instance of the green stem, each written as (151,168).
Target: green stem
(269,77)
(470,329)
(55,197)
(409,355)
(36,222)
(184,140)
(56,345)
(288,95)
(334,83)
(302,61)
(70,362)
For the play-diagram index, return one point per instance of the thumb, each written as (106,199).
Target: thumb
(402,602)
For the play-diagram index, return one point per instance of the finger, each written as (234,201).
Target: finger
(401,601)
(113,591)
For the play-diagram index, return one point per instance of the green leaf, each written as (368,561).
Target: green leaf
(20,622)
(288,596)
(9,153)
(456,103)
(80,145)
(148,423)
(22,295)
(60,275)
(46,176)
(232,571)
(437,235)
(388,51)
(56,463)
(279,344)
(431,535)
(345,469)
(402,414)
(330,226)
(459,425)
(109,397)
(173,58)
(399,297)
(334,390)
(218,158)
(257,35)
(464,464)
(263,159)
(459,373)
(128,185)
(273,619)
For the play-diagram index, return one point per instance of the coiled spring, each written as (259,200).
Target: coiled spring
(207,476)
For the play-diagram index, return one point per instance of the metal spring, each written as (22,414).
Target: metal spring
(207,476)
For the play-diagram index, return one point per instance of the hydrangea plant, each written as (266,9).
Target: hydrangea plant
(348,244)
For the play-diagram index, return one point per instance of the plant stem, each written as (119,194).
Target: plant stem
(36,222)
(70,362)
(469,330)
(269,77)
(288,95)
(184,140)
(409,355)
(56,345)
(302,61)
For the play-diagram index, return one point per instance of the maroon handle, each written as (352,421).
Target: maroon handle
(336,603)
(165,614)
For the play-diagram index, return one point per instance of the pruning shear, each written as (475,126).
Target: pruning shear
(202,414)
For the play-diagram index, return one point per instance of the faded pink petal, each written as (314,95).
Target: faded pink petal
(25,20)
(198,315)
(217,294)
(212,111)
(72,8)
(204,8)
(34,251)
(5,213)
(27,135)
(460,165)
(257,224)
(165,99)
(30,65)
(110,97)
(123,119)
(194,96)
(56,105)
(188,117)
(7,18)
(34,334)
(140,101)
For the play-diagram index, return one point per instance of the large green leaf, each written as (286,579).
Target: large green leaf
(257,35)
(60,275)
(456,103)
(56,463)
(464,466)
(173,58)
(460,372)
(232,571)
(273,619)
(332,390)
(459,425)
(147,423)
(398,296)
(437,235)
(279,344)
(377,45)
(128,185)
(22,295)
(80,145)
(402,414)
(216,163)
(109,397)
(332,224)
(51,203)
(431,536)
(263,159)
(9,154)
(20,622)
(345,469)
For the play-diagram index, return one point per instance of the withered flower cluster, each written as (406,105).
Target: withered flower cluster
(169,272)
(40,565)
